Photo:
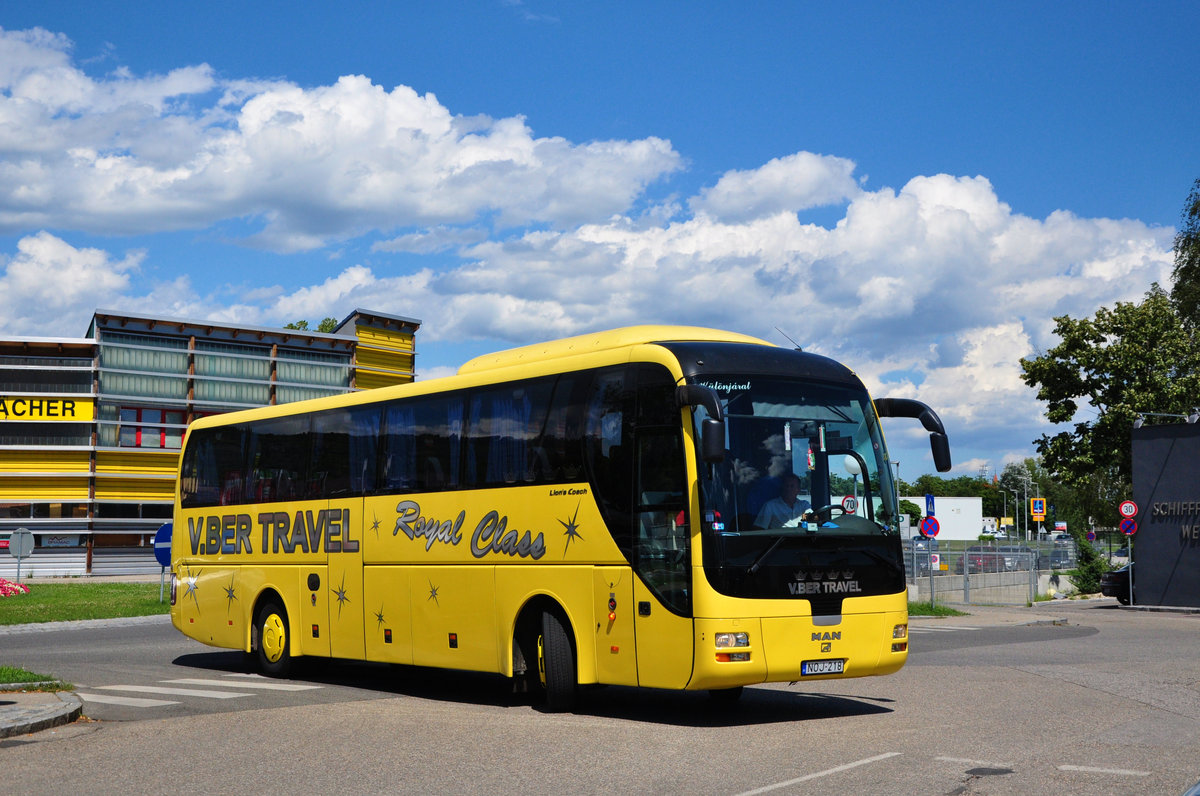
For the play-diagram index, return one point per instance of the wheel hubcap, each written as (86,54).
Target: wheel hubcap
(274,638)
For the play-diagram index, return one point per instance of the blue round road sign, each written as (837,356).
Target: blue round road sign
(162,545)
(930,526)
(1128,527)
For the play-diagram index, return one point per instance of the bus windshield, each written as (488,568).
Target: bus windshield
(803,505)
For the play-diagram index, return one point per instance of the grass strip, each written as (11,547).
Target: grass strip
(25,680)
(68,601)
(930,609)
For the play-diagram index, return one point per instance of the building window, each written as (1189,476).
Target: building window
(151,428)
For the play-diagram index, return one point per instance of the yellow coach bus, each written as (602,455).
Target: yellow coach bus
(660,506)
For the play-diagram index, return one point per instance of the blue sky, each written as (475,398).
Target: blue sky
(915,189)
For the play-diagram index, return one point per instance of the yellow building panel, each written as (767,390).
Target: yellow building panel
(44,461)
(39,489)
(385,338)
(134,489)
(138,461)
(369,380)
(384,360)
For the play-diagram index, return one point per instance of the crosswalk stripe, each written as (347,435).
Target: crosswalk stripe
(133,702)
(267,685)
(157,689)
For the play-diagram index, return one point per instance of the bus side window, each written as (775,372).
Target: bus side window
(279,452)
(212,467)
(609,415)
(559,453)
(343,452)
(437,438)
(504,423)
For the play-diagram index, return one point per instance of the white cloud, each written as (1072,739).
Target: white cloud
(793,183)
(313,165)
(932,291)
(50,288)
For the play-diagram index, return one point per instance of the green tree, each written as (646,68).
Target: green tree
(1186,292)
(1134,358)
(326,326)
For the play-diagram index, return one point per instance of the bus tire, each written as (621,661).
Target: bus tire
(556,664)
(271,625)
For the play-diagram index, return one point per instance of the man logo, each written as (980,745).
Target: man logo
(826,647)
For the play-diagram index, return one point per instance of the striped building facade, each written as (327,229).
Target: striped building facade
(91,427)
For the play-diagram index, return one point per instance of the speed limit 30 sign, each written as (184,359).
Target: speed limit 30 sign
(1128,509)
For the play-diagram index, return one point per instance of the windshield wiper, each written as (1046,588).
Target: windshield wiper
(758,562)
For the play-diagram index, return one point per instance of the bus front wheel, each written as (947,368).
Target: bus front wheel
(556,664)
(272,627)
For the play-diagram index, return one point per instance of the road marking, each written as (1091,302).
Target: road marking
(268,685)
(969,762)
(1118,772)
(820,774)
(931,629)
(156,689)
(133,702)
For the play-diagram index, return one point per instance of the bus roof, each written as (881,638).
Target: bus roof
(602,341)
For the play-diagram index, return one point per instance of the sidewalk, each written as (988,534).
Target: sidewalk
(23,712)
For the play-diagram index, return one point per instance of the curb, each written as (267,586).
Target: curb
(23,721)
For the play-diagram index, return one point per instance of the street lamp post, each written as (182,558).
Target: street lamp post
(1004,510)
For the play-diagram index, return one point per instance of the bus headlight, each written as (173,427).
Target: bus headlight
(726,640)
(900,631)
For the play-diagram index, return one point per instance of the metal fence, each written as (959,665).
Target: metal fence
(981,573)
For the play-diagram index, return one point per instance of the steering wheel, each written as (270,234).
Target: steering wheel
(829,510)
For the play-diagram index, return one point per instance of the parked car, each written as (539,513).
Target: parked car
(1060,558)
(1019,557)
(924,543)
(980,559)
(1115,583)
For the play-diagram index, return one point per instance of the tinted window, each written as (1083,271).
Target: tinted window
(212,473)
(344,446)
(422,444)
(278,459)
(504,428)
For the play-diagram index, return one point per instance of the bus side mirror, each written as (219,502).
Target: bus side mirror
(712,440)
(712,428)
(939,443)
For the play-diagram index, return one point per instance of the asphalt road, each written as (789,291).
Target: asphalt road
(1107,703)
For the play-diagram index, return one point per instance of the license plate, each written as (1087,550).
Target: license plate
(837,666)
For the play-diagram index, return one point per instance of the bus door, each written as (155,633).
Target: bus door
(662,559)
(343,545)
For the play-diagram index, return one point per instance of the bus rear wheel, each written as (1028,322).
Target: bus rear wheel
(556,664)
(271,626)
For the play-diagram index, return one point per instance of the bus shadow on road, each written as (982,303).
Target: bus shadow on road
(758,705)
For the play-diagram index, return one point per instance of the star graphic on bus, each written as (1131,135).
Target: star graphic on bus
(572,529)
(230,596)
(375,526)
(192,586)
(340,593)
(433,594)
(379,617)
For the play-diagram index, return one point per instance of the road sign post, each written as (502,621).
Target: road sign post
(20,546)
(162,554)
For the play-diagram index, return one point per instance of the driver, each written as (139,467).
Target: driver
(786,510)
